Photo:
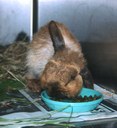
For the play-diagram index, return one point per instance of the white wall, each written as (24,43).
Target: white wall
(14,18)
(89,20)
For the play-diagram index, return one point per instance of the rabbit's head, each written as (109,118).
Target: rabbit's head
(61,77)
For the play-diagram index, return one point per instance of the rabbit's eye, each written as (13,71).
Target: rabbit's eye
(73,75)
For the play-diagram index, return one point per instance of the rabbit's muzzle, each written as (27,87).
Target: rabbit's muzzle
(61,80)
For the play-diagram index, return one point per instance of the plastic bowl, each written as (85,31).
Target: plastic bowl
(73,107)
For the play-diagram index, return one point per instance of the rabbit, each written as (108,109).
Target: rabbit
(56,63)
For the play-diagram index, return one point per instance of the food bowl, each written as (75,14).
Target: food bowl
(74,106)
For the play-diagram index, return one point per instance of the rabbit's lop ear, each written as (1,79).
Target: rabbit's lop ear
(56,36)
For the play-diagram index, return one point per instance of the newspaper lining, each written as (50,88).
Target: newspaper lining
(103,111)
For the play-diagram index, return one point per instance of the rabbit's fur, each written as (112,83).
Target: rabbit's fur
(56,63)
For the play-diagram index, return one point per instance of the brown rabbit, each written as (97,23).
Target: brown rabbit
(56,63)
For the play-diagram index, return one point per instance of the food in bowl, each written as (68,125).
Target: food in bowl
(78,99)
(71,106)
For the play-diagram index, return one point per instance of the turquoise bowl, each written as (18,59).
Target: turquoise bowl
(71,106)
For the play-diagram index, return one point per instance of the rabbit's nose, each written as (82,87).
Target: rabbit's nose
(54,90)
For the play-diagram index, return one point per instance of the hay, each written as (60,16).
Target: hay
(12,58)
